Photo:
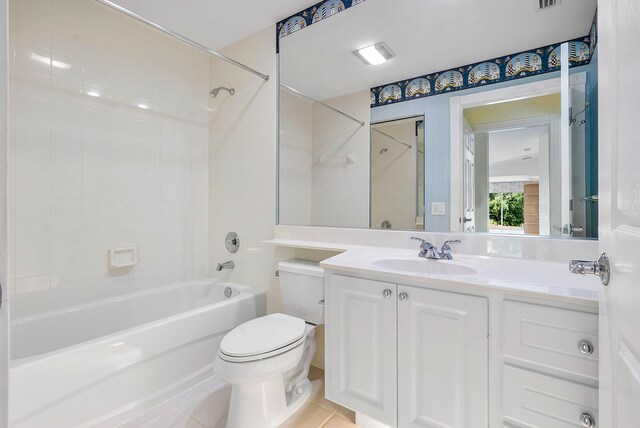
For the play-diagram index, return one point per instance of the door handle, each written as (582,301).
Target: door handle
(592,198)
(600,267)
(568,229)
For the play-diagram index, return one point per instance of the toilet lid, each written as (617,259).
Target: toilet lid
(262,335)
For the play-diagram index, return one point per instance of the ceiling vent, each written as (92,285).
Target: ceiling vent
(546,4)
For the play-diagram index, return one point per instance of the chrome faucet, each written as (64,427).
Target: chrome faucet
(225,265)
(430,251)
(445,252)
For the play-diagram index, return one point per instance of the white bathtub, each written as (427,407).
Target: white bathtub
(100,363)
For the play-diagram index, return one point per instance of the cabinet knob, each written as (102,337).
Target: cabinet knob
(386,293)
(587,421)
(585,347)
(403,296)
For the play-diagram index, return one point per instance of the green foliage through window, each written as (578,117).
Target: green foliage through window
(512,209)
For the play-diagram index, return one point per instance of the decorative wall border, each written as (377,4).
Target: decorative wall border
(310,16)
(503,69)
(515,66)
(593,33)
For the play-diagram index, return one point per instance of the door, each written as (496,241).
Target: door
(469,180)
(442,359)
(4,301)
(619,183)
(360,346)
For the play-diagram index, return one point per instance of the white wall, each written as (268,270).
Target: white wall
(295,161)
(242,161)
(482,182)
(341,190)
(544,207)
(393,176)
(110,149)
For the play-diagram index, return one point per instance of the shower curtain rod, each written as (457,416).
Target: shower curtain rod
(391,136)
(327,106)
(184,39)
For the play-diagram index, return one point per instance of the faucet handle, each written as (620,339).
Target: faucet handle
(451,241)
(424,244)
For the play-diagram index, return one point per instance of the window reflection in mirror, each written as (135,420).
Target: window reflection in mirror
(513,173)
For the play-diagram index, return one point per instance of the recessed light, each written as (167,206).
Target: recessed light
(375,54)
(93,93)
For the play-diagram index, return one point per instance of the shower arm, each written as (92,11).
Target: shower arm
(183,39)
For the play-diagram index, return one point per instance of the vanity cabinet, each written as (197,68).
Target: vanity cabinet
(550,371)
(407,356)
(360,346)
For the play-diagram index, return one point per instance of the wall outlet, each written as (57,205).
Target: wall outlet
(437,208)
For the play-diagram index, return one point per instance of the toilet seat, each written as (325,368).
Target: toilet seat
(262,338)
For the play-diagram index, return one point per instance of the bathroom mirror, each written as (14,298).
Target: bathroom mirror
(397,174)
(509,123)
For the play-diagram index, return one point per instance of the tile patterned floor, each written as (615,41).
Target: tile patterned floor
(206,405)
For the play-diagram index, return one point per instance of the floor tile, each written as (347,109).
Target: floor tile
(207,402)
(166,415)
(309,416)
(338,421)
(206,406)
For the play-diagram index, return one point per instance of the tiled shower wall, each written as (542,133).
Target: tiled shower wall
(108,148)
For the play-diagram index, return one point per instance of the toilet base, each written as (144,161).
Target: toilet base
(265,405)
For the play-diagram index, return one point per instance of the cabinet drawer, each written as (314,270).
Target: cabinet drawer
(550,337)
(533,399)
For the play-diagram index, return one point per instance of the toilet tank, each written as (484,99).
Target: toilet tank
(302,290)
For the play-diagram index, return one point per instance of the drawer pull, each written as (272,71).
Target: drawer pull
(587,421)
(403,296)
(386,293)
(585,347)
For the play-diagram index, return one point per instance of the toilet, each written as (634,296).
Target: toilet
(266,360)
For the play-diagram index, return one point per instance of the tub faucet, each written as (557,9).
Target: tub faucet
(225,265)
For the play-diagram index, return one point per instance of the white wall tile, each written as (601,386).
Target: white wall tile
(98,162)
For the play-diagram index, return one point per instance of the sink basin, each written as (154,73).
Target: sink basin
(425,266)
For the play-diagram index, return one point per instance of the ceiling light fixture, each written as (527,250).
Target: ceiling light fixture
(375,54)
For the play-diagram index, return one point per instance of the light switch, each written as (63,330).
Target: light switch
(437,208)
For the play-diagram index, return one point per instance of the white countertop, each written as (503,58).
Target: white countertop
(542,279)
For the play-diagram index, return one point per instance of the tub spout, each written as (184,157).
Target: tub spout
(225,265)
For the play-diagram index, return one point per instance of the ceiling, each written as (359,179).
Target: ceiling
(215,24)
(511,146)
(514,110)
(507,150)
(426,37)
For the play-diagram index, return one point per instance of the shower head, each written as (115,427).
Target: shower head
(215,92)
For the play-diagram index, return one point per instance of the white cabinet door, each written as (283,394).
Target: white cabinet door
(442,359)
(360,346)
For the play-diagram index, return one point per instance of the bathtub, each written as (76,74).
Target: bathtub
(101,363)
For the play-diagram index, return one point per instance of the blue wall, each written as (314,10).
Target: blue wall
(436,111)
